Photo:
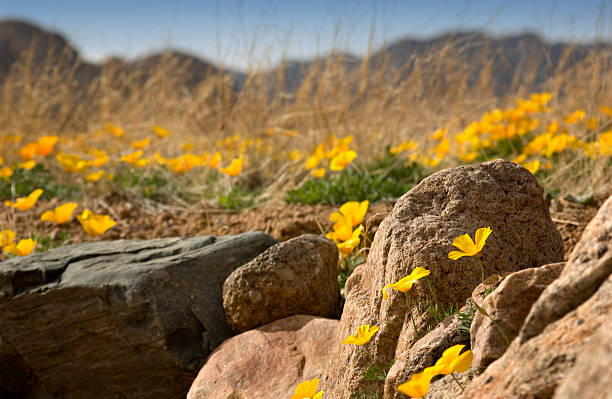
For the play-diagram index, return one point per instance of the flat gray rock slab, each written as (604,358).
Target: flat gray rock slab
(120,319)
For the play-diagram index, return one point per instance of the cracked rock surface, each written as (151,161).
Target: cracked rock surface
(116,319)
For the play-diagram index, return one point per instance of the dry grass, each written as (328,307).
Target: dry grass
(378,103)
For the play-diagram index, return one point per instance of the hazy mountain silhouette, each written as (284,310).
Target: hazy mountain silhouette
(507,62)
(38,49)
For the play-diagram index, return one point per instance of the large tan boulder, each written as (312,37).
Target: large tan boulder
(298,276)
(562,326)
(419,232)
(268,362)
(508,305)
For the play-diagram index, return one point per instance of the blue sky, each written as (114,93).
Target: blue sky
(258,33)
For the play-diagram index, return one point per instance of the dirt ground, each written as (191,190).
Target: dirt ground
(145,220)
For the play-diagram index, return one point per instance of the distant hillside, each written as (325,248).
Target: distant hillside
(504,63)
(511,61)
(48,49)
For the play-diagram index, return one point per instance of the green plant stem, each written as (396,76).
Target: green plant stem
(374,363)
(484,312)
(481,269)
(432,289)
(409,305)
(457,381)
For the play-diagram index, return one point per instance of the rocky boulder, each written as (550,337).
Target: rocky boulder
(590,377)
(564,330)
(267,362)
(298,276)
(116,319)
(419,232)
(508,305)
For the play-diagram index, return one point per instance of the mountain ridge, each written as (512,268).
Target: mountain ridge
(507,56)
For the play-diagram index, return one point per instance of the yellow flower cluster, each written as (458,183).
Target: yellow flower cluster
(334,150)
(92,224)
(516,128)
(98,157)
(43,147)
(350,214)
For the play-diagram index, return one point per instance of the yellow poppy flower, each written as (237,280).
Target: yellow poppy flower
(27,165)
(468,156)
(23,247)
(318,173)
(532,166)
(404,146)
(6,237)
(6,173)
(312,162)
(100,158)
(520,159)
(405,283)
(60,214)
(575,117)
(540,98)
(215,160)
(606,110)
(346,248)
(160,131)
(131,158)
(28,151)
(295,155)
(25,203)
(93,224)
(342,160)
(307,390)
(342,231)
(352,212)
(73,163)
(453,361)
(95,176)
(115,130)
(141,144)
(418,385)
(467,246)
(45,145)
(234,168)
(364,334)
(439,134)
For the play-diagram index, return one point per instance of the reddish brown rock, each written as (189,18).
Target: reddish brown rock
(589,265)
(445,387)
(419,232)
(508,305)
(268,362)
(591,377)
(549,346)
(298,276)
